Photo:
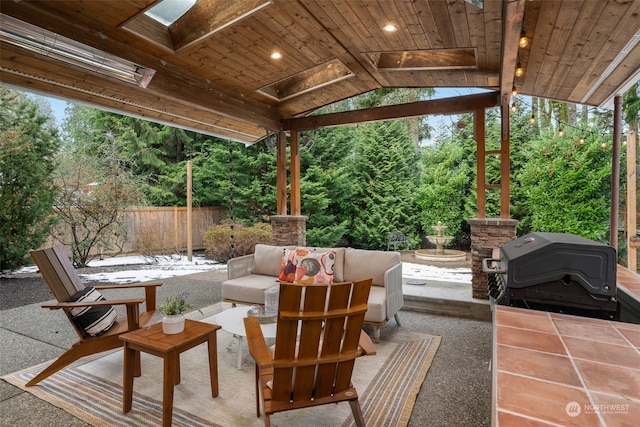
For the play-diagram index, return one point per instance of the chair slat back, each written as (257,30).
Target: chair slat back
(58,272)
(328,320)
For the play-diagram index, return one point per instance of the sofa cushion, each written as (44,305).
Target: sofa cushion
(313,266)
(248,289)
(288,266)
(267,260)
(376,305)
(360,263)
(338,265)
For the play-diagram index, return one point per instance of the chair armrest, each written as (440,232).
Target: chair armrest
(393,290)
(72,304)
(128,285)
(256,343)
(149,291)
(365,345)
(239,267)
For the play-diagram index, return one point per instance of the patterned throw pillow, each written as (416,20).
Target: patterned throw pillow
(288,266)
(93,320)
(314,267)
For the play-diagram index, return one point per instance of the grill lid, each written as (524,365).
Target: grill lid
(547,257)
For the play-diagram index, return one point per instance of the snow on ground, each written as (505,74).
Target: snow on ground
(429,272)
(146,268)
(163,267)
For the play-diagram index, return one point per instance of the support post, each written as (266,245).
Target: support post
(487,234)
(615,172)
(281,174)
(294,169)
(481,162)
(189,212)
(504,161)
(632,203)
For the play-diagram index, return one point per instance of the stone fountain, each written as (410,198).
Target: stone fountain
(440,253)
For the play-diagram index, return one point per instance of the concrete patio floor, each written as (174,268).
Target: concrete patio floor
(456,391)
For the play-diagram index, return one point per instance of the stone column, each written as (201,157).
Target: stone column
(487,234)
(289,230)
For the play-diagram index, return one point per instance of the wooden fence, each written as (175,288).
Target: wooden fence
(162,227)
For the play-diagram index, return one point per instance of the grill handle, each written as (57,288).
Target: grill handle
(489,270)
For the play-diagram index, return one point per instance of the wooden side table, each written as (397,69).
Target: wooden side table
(153,341)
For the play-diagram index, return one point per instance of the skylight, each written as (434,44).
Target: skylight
(167,12)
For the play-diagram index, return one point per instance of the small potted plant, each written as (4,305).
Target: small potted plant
(173,309)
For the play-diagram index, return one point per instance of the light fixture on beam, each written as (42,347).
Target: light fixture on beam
(523,41)
(514,91)
(519,70)
(38,40)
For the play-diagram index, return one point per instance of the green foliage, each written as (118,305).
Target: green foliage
(176,304)
(384,181)
(217,239)
(27,147)
(445,186)
(565,187)
(631,106)
(360,182)
(325,184)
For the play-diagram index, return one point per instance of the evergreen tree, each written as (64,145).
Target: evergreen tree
(565,186)
(384,182)
(325,184)
(28,143)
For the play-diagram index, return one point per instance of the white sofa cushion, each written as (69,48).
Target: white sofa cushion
(360,264)
(248,289)
(267,260)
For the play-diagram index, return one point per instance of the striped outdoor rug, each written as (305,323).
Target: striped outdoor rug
(91,389)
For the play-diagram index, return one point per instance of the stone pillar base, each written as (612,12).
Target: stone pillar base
(487,234)
(289,230)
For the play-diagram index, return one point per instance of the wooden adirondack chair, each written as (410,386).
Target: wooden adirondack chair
(64,282)
(315,367)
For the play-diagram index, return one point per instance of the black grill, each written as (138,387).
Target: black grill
(555,272)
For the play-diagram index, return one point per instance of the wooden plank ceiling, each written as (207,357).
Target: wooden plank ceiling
(214,74)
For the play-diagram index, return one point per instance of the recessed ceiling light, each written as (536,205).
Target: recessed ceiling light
(390,28)
(276,55)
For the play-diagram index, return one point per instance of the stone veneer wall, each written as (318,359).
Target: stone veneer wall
(289,230)
(487,234)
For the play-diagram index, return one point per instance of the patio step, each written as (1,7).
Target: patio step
(448,298)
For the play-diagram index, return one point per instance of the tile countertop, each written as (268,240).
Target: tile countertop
(557,369)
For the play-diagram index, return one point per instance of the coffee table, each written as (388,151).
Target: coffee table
(153,341)
(231,320)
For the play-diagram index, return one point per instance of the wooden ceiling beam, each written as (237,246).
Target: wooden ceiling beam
(513,14)
(457,105)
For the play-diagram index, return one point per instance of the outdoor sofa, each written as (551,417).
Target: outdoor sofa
(251,275)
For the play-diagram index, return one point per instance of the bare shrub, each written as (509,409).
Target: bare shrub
(149,243)
(217,239)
